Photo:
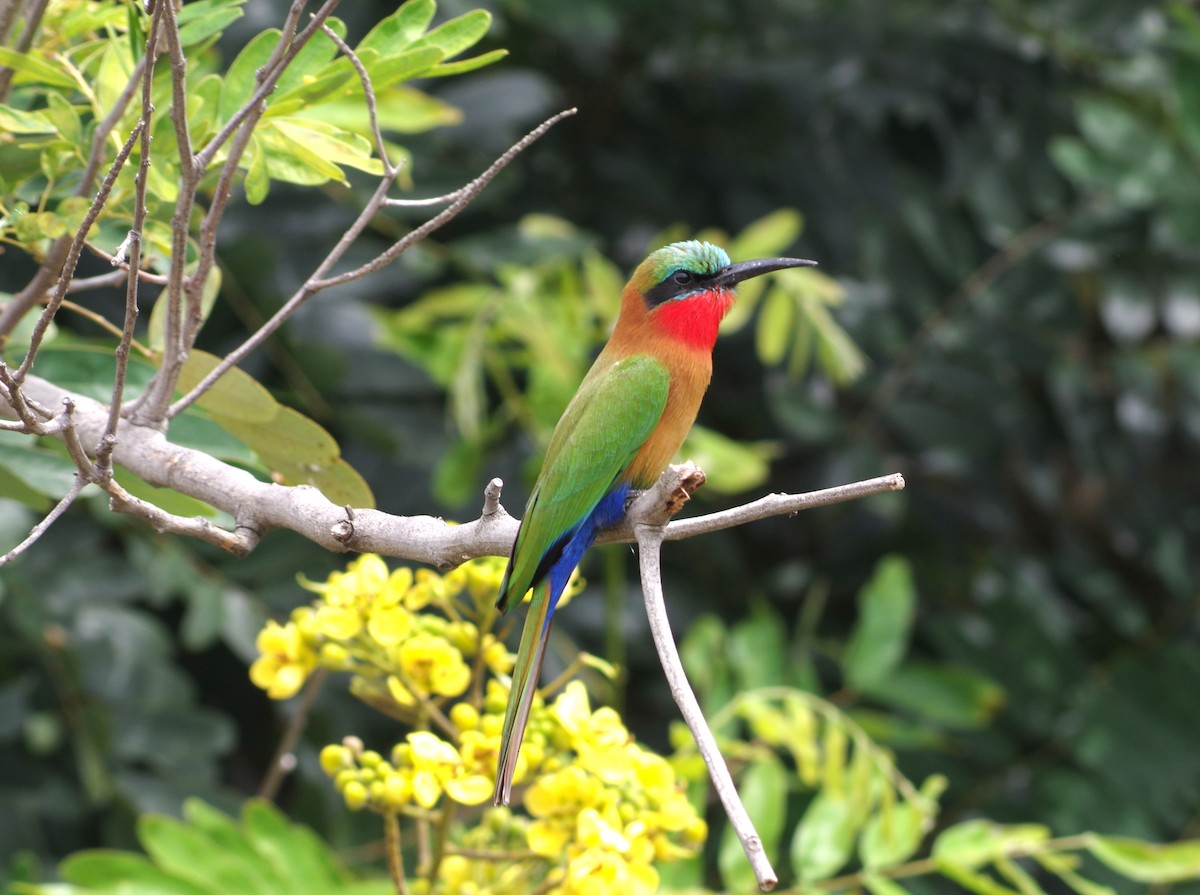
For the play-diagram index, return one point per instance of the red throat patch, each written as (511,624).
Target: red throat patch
(694,320)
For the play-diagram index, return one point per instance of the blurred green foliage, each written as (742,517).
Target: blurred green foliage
(1006,193)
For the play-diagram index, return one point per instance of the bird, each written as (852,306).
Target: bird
(618,433)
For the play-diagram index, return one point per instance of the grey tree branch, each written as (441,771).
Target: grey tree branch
(648,516)
(257,507)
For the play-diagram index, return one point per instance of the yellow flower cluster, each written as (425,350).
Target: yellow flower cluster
(602,810)
(613,811)
(375,623)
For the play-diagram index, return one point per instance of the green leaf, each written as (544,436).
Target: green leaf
(459,33)
(184,851)
(951,696)
(200,20)
(824,840)
(258,180)
(768,235)
(1063,866)
(104,869)
(763,791)
(731,466)
(66,121)
(1147,862)
(14,488)
(886,605)
(891,839)
(241,79)
(45,470)
(113,74)
(32,68)
(401,109)
(463,66)
(294,850)
(312,59)
(756,648)
(776,324)
(1018,877)
(839,357)
(330,143)
(235,396)
(401,28)
(15,121)
(302,164)
(975,843)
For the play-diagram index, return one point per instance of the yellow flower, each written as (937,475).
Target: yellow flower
(338,622)
(600,872)
(429,588)
(437,767)
(598,737)
(388,622)
(285,662)
(431,665)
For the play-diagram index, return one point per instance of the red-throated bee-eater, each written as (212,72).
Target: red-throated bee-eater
(619,432)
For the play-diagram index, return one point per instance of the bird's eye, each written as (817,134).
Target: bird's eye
(682,278)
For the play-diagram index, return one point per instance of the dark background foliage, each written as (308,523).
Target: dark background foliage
(1008,192)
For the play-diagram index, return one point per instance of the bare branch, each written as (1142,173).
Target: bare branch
(781,505)
(468,193)
(261,506)
(42,527)
(152,406)
(239,543)
(647,514)
(73,252)
(33,19)
(33,294)
(285,52)
(316,283)
(369,94)
(131,250)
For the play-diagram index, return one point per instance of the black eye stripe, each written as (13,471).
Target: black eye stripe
(678,282)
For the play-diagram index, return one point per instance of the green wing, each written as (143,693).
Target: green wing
(605,425)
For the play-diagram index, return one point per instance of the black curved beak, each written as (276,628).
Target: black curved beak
(744,270)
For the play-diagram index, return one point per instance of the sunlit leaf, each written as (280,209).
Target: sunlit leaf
(15,121)
(1148,862)
(824,840)
(236,395)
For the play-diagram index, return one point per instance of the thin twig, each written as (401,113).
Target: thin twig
(468,193)
(780,505)
(133,251)
(77,485)
(649,535)
(364,78)
(73,252)
(284,758)
(105,324)
(395,860)
(239,542)
(285,52)
(33,19)
(317,282)
(34,292)
(152,406)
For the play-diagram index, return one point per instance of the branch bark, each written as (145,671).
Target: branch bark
(257,507)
